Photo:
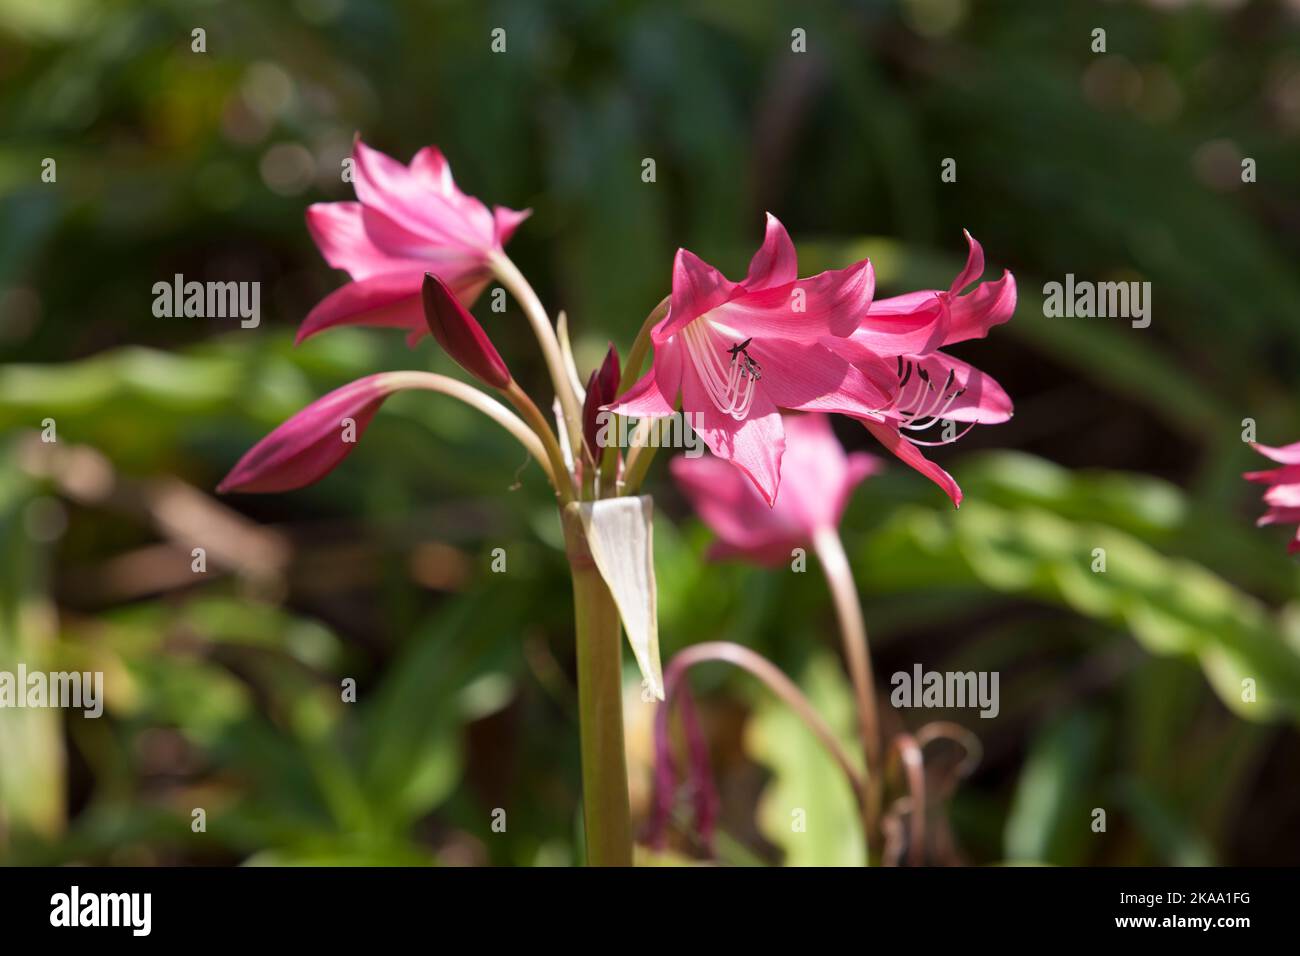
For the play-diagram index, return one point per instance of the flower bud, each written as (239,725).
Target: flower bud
(460,335)
(602,388)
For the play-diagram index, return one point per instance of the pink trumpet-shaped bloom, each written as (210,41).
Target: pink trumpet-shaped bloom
(1283,494)
(407,220)
(736,352)
(817,478)
(311,444)
(898,343)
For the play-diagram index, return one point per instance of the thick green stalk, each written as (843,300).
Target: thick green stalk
(606,812)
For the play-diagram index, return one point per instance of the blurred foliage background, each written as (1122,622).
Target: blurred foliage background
(1119,690)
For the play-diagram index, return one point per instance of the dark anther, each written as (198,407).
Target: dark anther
(738,349)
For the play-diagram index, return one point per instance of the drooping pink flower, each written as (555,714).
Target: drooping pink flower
(1283,494)
(407,220)
(817,478)
(311,444)
(932,391)
(736,352)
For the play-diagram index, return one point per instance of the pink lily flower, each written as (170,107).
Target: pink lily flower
(736,352)
(929,387)
(1283,494)
(408,220)
(817,479)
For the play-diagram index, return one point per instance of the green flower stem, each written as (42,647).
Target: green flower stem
(641,346)
(783,687)
(607,816)
(508,274)
(471,396)
(537,421)
(639,458)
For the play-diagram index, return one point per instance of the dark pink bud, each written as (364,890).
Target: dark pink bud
(703,792)
(460,335)
(602,388)
(311,444)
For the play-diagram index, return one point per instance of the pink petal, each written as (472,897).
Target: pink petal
(339,232)
(1288,474)
(1286,455)
(830,303)
(391,301)
(817,478)
(1283,496)
(697,288)
(432,248)
(974,265)
(728,503)
(889,436)
(754,446)
(429,167)
(911,324)
(422,200)
(989,304)
(984,400)
(430,170)
(812,377)
(1289,515)
(858,466)
(816,481)
(506,221)
(882,371)
(310,444)
(775,262)
(863,466)
(654,395)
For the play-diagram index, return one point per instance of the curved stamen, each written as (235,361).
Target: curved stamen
(937,415)
(931,406)
(910,401)
(730,387)
(947,441)
(924,406)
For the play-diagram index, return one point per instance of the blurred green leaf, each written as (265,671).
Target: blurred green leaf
(808,809)
(1051,818)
